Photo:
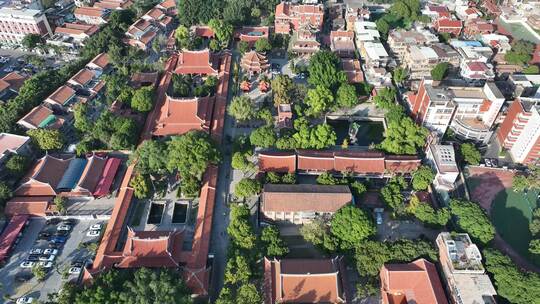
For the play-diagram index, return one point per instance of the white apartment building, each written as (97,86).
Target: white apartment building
(463,271)
(469,111)
(17,23)
(442,159)
(399,40)
(374,54)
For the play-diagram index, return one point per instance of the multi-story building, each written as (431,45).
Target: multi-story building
(519,133)
(442,159)
(17,23)
(447,25)
(292,17)
(374,54)
(92,15)
(476,71)
(399,40)
(304,41)
(342,43)
(300,204)
(463,271)
(420,60)
(469,111)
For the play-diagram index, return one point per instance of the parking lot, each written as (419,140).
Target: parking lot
(75,251)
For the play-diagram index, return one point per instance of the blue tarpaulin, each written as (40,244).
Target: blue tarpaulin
(73,174)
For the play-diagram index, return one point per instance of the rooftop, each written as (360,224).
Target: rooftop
(304,197)
(445,158)
(459,249)
(11,143)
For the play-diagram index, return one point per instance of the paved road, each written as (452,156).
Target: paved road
(220,238)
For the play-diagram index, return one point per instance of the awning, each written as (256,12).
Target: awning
(9,235)
(47,121)
(107,176)
(73,174)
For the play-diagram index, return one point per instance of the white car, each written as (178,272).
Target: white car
(25,300)
(47,258)
(35,251)
(50,251)
(63,228)
(45,264)
(75,270)
(27,264)
(95,227)
(92,233)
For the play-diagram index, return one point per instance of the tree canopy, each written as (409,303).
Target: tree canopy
(262,45)
(264,137)
(141,186)
(151,157)
(247,187)
(282,86)
(440,71)
(47,139)
(391,194)
(242,108)
(191,153)
(142,100)
(472,219)
(324,70)
(470,154)
(319,100)
(350,225)
(424,212)
(521,52)
(422,178)
(403,137)
(275,247)
(346,96)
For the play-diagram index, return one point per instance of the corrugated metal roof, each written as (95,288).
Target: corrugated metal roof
(73,174)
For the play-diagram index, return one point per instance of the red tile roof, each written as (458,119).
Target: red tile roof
(417,282)
(11,143)
(29,205)
(9,235)
(61,95)
(43,177)
(304,198)
(101,61)
(14,80)
(203,31)
(304,281)
(89,11)
(195,62)
(277,161)
(83,77)
(180,115)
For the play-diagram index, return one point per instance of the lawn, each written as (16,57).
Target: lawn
(511,213)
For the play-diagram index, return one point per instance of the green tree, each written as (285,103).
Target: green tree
(266,115)
(404,137)
(326,178)
(346,96)
(273,178)
(60,203)
(262,45)
(513,284)
(80,115)
(472,219)
(470,154)
(191,153)
(532,69)
(190,186)
(242,108)
(247,187)
(183,37)
(142,99)
(534,246)
(382,26)
(289,178)
(322,136)
(319,100)
(534,225)
(39,272)
(318,233)
(324,70)
(47,139)
(237,270)
(358,188)
(350,225)
(5,193)
(519,183)
(426,214)
(282,86)
(239,229)
(422,178)
(391,194)
(141,186)
(236,12)
(440,71)
(240,162)
(31,41)
(151,286)
(248,294)
(17,165)
(521,52)
(264,137)
(151,157)
(243,47)
(399,75)
(275,247)
(222,30)
(400,9)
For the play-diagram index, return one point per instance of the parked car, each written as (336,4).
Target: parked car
(61,233)
(33,258)
(4,59)
(27,264)
(92,233)
(25,277)
(35,251)
(47,257)
(25,300)
(56,245)
(53,221)
(44,235)
(75,270)
(488,162)
(69,222)
(45,264)
(379,215)
(58,239)
(63,227)
(50,251)
(495,162)
(96,227)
